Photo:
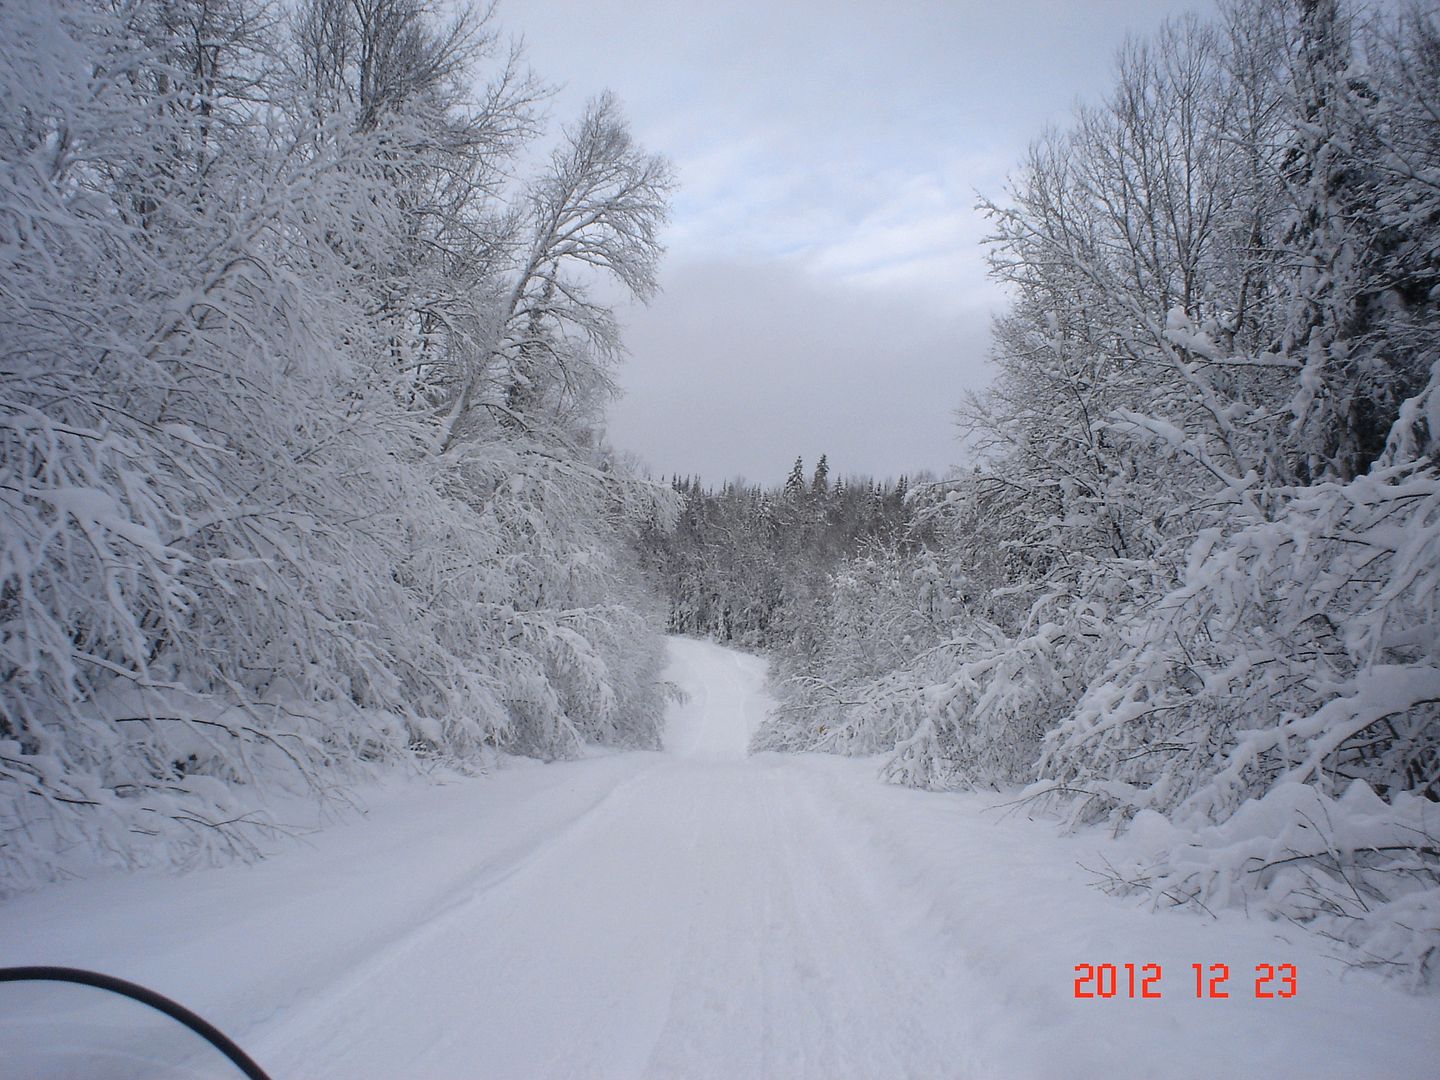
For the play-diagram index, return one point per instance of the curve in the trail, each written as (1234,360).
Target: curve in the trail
(725,700)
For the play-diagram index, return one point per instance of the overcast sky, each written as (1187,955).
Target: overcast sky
(824,288)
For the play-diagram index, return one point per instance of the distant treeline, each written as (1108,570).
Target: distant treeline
(751,566)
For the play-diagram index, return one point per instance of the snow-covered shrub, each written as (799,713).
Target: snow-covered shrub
(981,717)
(1293,675)
(1300,650)
(1192,575)
(870,626)
(575,646)
(1359,869)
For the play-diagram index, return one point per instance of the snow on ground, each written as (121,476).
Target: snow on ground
(701,913)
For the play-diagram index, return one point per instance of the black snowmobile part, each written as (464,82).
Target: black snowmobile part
(198,1024)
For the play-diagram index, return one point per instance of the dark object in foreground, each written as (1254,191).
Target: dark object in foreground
(202,1027)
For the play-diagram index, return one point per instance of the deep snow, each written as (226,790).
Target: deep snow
(701,913)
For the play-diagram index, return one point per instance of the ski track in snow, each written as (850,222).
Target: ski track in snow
(701,913)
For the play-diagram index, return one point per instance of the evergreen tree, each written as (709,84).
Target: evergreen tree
(820,483)
(795,483)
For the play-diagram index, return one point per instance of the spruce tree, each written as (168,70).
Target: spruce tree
(820,485)
(795,483)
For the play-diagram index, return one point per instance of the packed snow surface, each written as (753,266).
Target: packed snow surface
(703,913)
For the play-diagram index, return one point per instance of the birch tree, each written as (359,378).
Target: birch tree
(595,211)
(232,563)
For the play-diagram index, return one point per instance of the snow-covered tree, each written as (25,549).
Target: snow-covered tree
(1191,571)
(795,482)
(596,209)
(232,560)
(820,481)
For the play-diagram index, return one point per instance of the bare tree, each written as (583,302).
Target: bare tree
(595,213)
(401,75)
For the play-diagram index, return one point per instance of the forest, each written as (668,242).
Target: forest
(747,566)
(301,459)
(1188,581)
(308,330)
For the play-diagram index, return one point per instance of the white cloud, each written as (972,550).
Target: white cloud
(740,366)
(825,234)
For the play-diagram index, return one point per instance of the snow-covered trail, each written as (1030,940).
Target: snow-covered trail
(699,913)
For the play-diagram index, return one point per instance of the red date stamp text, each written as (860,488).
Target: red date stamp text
(1212,981)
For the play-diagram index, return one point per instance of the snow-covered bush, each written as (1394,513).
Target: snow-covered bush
(1191,578)
(1300,650)
(1282,709)
(574,642)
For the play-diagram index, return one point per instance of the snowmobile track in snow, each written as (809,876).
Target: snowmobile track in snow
(701,913)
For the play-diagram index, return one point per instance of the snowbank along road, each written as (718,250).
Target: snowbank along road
(703,913)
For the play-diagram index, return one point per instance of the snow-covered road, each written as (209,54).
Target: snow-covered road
(701,913)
